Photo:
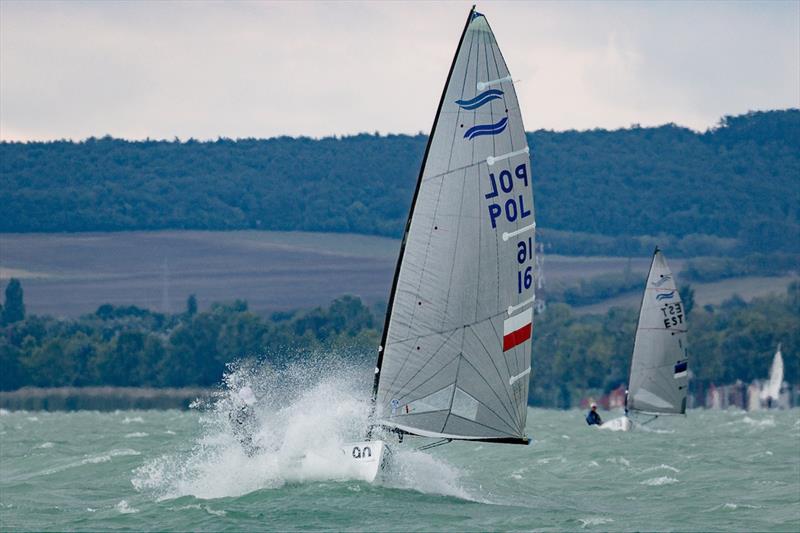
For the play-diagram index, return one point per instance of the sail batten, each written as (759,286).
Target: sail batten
(456,343)
(659,366)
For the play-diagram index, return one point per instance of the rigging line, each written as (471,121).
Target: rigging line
(510,400)
(424,365)
(495,395)
(435,444)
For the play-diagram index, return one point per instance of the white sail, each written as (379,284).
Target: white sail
(659,368)
(455,358)
(772,389)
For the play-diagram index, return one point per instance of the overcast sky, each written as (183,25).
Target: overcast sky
(261,69)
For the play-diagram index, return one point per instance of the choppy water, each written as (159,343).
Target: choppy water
(175,470)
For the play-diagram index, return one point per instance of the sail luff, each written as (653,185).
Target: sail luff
(399,263)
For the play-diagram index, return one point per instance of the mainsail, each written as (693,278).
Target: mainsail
(772,389)
(455,357)
(659,369)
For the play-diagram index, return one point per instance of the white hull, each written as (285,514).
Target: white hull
(622,423)
(366,458)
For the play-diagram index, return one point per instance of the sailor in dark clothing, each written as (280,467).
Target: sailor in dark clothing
(593,418)
(243,420)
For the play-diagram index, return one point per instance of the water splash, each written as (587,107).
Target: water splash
(302,417)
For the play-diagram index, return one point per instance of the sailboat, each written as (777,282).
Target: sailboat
(771,393)
(660,363)
(455,356)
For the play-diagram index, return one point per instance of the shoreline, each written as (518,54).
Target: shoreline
(100,398)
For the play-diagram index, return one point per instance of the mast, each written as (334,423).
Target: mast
(399,264)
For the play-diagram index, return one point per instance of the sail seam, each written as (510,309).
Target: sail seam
(495,395)
(453,329)
(499,374)
(422,383)
(399,372)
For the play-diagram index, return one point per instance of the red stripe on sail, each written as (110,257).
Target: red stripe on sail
(515,338)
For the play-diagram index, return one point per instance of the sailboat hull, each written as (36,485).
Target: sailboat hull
(366,458)
(622,423)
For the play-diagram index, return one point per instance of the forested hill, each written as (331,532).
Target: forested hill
(739,182)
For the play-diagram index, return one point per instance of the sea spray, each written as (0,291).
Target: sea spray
(303,415)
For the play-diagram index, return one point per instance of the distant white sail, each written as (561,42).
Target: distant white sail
(772,389)
(455,359)
(659,368)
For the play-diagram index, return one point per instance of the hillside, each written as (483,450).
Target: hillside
(731,189)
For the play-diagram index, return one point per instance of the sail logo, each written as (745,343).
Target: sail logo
(665,296)
(517,329)
(681,369)
(487,129)
(484,98)
(662,281)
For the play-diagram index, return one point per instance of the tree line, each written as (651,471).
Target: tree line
(130,346)
(730,190)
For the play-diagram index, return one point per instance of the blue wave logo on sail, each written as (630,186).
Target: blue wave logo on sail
(665,296)
(483,98)
(487,129)
(662,281)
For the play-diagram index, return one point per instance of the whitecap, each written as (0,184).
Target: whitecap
(763,423)
(136,435)
(594,521)
(658,481)
(46,445)
(661,467)
(728,506)
(124,508)
(32,418)
(4,412)
(619,461)
(133,420)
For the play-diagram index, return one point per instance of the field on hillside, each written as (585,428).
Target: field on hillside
(72,274)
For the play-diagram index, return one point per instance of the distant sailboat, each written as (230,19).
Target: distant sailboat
(771,393)
(455,357)
(659,366)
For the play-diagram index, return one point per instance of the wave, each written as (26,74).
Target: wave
(661,467)
(123,507)
(658,481)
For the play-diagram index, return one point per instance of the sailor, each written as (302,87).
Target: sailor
(593,418)
(243,420)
